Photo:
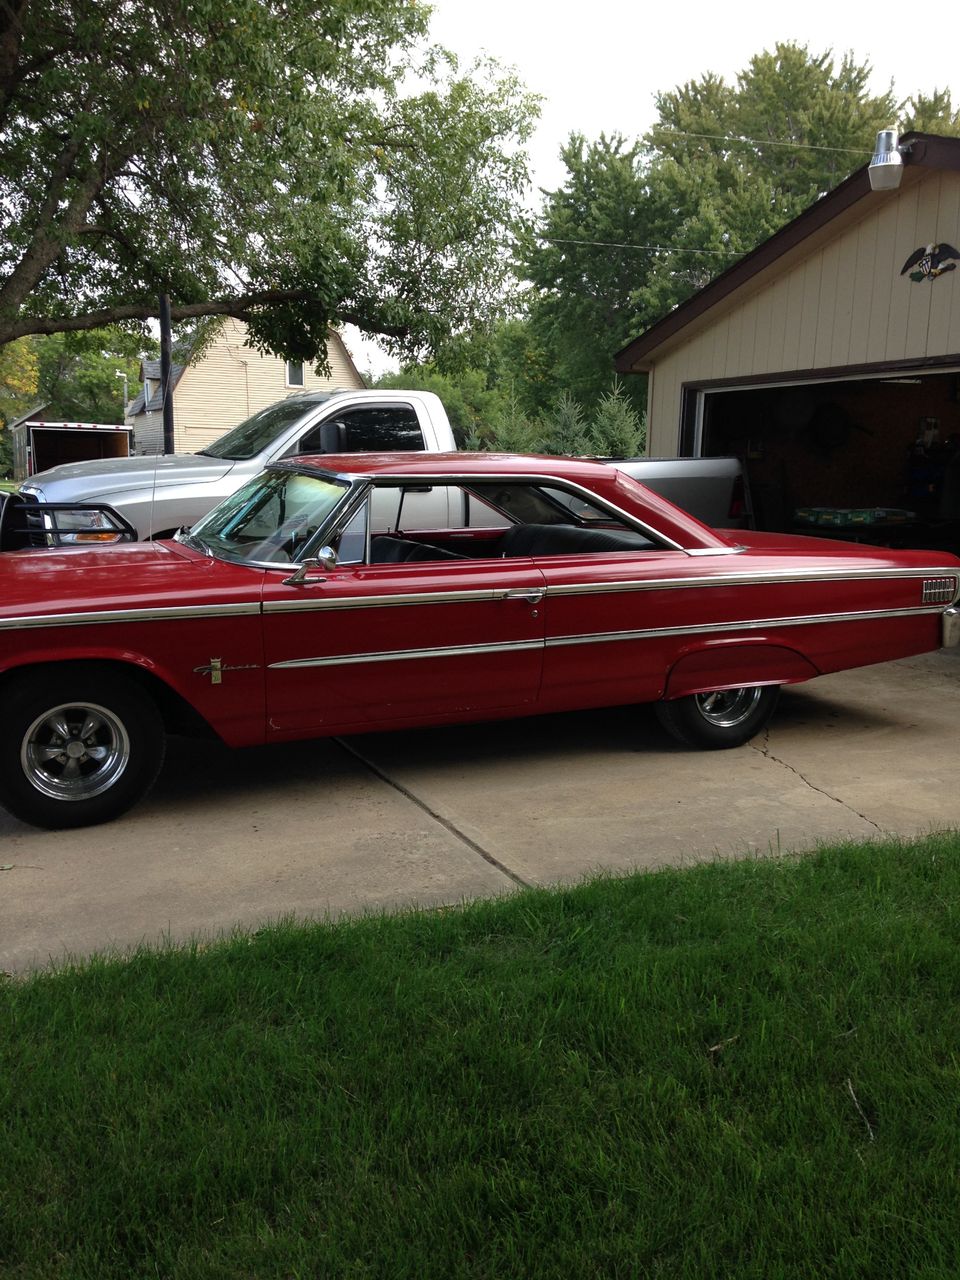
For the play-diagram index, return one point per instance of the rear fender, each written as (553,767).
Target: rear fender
(731,664)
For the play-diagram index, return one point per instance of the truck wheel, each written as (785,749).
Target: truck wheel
(725,719)
(77,749)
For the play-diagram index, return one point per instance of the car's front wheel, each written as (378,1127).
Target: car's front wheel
(727,718)
(77,749)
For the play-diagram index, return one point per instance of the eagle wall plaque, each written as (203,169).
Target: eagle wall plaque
(930,261)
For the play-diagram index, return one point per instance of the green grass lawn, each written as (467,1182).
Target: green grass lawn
(740,1070)
(7,486)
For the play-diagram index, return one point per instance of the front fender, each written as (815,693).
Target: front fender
(234,710)
(732,664)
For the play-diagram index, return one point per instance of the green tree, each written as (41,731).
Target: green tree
(728,166)
(471,405)
(639,226)
(514,432)
(582,282)
(79,372)
(566,428)
(18,392)
(933,114)
(289,162)
(617,431)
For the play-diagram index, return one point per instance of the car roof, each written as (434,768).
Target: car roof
(602,478)
(458,464)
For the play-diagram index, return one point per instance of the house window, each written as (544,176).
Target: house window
(294,373)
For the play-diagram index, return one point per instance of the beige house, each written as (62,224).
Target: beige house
(828,359)
(227,383)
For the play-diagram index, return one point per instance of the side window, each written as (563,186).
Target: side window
(352,544)
(381,429)
(378,428)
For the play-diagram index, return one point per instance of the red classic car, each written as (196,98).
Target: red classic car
(345,594)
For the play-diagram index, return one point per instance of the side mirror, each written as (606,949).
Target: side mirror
(326,558)
(333,436)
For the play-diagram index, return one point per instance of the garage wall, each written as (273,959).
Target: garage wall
(844,302)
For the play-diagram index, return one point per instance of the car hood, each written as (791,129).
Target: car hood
(49,584)
(86,481)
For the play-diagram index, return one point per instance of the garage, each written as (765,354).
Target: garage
(828,361)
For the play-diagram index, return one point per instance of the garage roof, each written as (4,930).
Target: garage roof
(923,150)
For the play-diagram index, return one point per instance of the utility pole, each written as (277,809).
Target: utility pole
(166,390)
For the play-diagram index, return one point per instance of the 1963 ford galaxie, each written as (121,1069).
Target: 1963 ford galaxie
(313,601)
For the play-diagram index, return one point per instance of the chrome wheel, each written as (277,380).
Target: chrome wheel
(727,718)
(730,707)
(75,751)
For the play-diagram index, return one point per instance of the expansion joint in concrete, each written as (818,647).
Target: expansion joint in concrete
(437,817)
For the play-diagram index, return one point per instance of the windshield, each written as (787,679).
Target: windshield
(271,519)
(257,433)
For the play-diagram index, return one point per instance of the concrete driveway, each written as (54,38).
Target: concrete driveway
(239,838)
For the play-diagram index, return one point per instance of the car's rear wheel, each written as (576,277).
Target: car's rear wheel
(727,718)
(76,749)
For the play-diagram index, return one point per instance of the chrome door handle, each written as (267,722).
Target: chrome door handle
(533,596)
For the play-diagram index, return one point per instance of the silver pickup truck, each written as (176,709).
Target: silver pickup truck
(158,495)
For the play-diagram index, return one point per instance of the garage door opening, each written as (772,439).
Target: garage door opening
(877,459)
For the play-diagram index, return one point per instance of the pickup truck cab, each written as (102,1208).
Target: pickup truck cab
(159,495)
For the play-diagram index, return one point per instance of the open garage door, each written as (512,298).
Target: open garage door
(876,459)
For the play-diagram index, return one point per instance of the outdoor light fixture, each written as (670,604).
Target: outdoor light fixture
(886,167)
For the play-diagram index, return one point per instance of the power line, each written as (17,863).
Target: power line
(759,142)
(653,248)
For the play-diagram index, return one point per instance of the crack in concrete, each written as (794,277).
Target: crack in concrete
(764,750)
(437,817)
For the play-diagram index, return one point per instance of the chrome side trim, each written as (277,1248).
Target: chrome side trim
(715,551)
(385,602)
(602,637)
(740,579)
(97,618)
(402,655)
(595,588)
(180,613)
(754,624)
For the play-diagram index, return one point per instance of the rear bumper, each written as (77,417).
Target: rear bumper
(950,628)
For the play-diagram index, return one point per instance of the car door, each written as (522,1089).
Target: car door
(616,622)
(366,646)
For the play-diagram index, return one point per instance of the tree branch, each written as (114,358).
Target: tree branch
(241,307)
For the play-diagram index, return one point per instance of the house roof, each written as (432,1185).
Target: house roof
(921,150)
(38,408)
(151,369)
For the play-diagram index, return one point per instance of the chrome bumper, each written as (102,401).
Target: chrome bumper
(950,628)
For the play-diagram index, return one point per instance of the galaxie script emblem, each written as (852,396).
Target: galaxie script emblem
(216,667)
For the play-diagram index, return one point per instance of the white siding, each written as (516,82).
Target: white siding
(228,383)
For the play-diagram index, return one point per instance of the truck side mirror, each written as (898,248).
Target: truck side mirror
(333,435)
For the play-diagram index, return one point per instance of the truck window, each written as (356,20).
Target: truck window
(381,428)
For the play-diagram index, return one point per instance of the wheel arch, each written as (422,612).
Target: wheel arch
(727,664)
(178,715)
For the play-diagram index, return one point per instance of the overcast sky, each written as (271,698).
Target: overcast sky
(598,64)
